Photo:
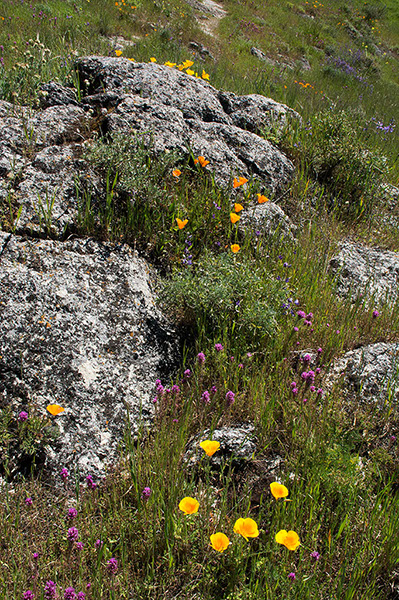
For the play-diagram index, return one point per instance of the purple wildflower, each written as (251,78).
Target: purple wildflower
(240,366)
(175,389)
(70,594)
(301,314)
(393,438)
(146,493)
(206,397)
(307,358)
(81,596)
(90,482)
(293,384)
(35,556)
(28,501)
(79,545)
(201,358)
(64,473)
(218,347)
(312,388)
(319,392)
(375,315)
(28,595)
(230,397)
(294,391)
(296,328)
(291,576)
(50,590)
(187,373)
(214,390)
(72,534)
(112,565)
(23,416)
(98,544)
(315,555)
(72,513)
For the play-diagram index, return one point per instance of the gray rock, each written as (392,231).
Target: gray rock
(269,220)
(180,111)
(80,329)
(54,94)
(368,272)
(236,443)
(391,194)
(370,372)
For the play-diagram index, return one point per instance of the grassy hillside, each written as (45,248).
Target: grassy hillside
(336,64)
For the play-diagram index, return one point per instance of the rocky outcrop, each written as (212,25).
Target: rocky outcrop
(266,220)
(237,444)
(370,373)
(41,151)
(80,329)
(363,271)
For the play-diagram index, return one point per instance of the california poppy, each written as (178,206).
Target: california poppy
(176,173)
(118,52)
(238,207)
(181,224)
(239,181)
(262,199)
(189,505)
(189,72)
(188,63)
(219,541)
(247,528)
(55,409)
(169,64)
(235,248)
(201,160)
(278,490)
(205,75)
(210,447)
(153,59)
(289,539)
(234,218)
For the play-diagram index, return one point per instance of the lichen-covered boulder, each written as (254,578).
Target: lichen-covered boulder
(80,329)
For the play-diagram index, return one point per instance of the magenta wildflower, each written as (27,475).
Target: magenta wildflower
(240,366)
(375,314)
(318,370)
(319,392)
(79,546)
(28,595)
(301,314)
(81,596)
(218,347)
(35,556)
(296,328)
(72,534)
(230,397)
(112,565)
(291,576)
(214,389)
(319,350)
(64,473)
(50,590)
(146,493)
(72,513)
(393,438)
(187,373)
(90,482)
(307,358)
(175,389)
(23,416)
(201,358)
(70,594)
(293,384)
(312,388)
(294,391)
(28,501)
(206,397)
(315,555)
(98,544)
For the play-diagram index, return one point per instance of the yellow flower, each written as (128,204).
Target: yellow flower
(55,409)
(169,64)
(238,207)
(205,75)
(201,160)
(189,72)
(278,490)
(189,505)
(131,59)
(210,447)
(262,199)
(235,248)
(289,539)
(180,67)
(176,173)
(234,218)
(219,541)
(181,224)
(118,52)
(247,528)
(239,181)
(187,63)
(153,59)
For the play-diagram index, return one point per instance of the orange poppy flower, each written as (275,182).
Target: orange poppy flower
(153,59)
(239,181)
(118,52)
(219,541)
(189,72)
(235,248)
(205,75)
(247,528)
(201,160)
(187,63)
(55,409)
(210,447)
(176,173)
(289,539)
(181,224)
(189,505)
(278,490)
(234,218)
(262,199)
(169,64)
(238,207)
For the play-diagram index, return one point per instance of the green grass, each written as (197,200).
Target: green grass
(339,459)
